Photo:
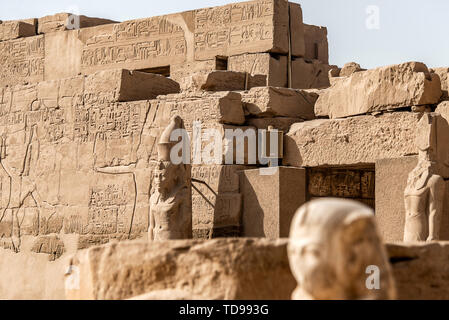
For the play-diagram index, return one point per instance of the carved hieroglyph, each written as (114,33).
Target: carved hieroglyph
(333,242)
(424,194)
(171,202)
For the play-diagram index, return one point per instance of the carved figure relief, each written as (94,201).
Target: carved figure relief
(424,194)
(171,201)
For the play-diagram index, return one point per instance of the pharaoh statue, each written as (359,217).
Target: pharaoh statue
(171,201)
(424,194)
(334,246)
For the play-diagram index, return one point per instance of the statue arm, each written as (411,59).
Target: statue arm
(436,201)
(117,170)
(151,225)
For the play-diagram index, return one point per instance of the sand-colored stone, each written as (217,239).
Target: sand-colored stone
(386,88)
(311,74)
(391,180)
(334,246)
(351,141)
(22,60)
(216,200)
(317,47)
(123,85)
(420,270)
(208,107)
(266,102)
(279,123)
(273,67)
(68,21)
(270,199)
(350,68)
(182,70)
(10,30)
(214,269)
(443,73)
(222,81)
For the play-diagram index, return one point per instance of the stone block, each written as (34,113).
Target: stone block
(310,74)
(270,201)
(68,21)
(182,70)
(316,44)
(280,123)
(298,45)
(443,73)
(386,88)
(209,108)
(391,180)
(224,269)
(10,30)
(420,270)
(351,141)
(222,81)
(274,67)
(123,85)
(216,200)
(22,60)
(279,102)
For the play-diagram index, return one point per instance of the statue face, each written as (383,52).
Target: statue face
(332,242)
(163,175)
(312,257)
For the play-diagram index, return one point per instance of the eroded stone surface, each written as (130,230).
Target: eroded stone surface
(351,141)
(68,21)
(222,81)
(317,47)
(267,102)
(405,85)
(214,269)
(10,30)
(420,270)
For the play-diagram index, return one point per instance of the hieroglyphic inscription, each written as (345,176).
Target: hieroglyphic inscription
(106,210)
(229,27)
(108,122)
(134,41)
(216,198)
(356,184)
(22,60)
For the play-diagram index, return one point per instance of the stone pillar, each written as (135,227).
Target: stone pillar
(270,201)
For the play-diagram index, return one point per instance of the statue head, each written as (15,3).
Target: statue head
(332,244)
(164,176)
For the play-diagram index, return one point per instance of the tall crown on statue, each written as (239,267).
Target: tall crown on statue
(165,144)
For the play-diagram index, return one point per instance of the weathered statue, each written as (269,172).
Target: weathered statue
(334,247)
(171,201)
(424,194)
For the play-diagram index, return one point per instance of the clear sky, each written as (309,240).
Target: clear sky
(370,32)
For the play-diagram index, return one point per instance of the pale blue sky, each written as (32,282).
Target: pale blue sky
(408,29)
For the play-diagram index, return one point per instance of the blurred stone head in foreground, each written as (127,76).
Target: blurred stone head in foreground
(334,246)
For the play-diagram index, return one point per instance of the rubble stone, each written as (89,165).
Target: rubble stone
(215,269)
(351,141)
(381,89)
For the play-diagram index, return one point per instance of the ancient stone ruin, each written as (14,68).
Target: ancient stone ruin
(96,205)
